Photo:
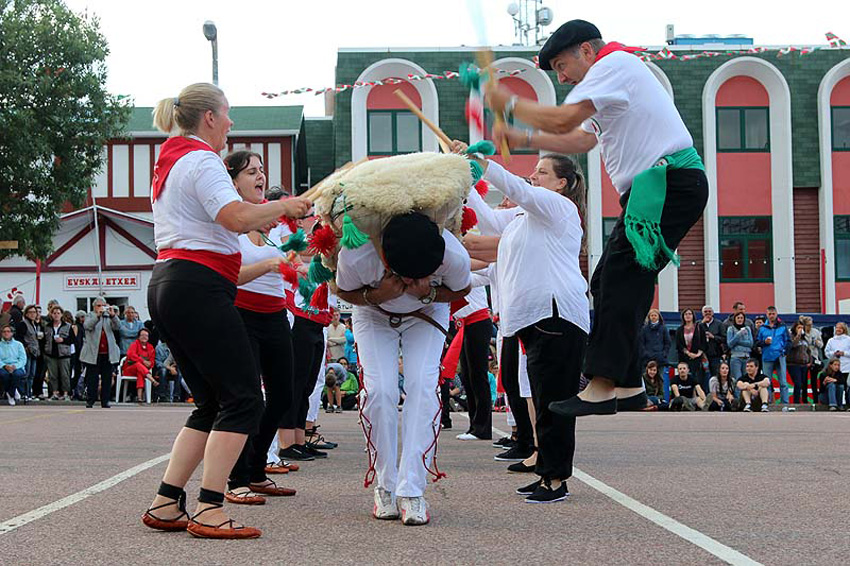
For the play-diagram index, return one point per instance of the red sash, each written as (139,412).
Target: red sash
(452,357)
(225,265)
(259,302)
(322,317)
(172,150)
(615,46)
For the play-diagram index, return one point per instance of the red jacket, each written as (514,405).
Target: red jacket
(138,352)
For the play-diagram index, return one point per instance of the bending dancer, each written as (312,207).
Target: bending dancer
(403,301)
(197,215)
(648,152)
(261,303)
(544,302)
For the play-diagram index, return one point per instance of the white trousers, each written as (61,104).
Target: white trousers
(316,395)
(421,348)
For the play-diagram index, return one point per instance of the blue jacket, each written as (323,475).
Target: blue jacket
(127,333)
(779,344)
(12,353)
(740,342)
(654,343)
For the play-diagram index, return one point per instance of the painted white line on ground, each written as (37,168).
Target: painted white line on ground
(21,520)
(705,542)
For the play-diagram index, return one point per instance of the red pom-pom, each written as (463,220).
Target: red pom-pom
(290,222)
(322,241)
(468,220)
(474,113)
(289,274)
(319,300)
(482,187)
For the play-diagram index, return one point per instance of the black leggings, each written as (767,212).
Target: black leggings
(622,290)
(473,375)
(308,345)
(555,349)
(509,369)
(271,343)
(192,307)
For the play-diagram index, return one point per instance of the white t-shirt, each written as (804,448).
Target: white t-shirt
(196,190)
(636,122)
(268,283)
(538,257)
(362,266)
(476,300)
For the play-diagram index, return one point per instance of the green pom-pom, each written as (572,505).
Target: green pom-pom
(306,290)
(297,242)
(352,237)
(477,171)
(318,273)
(469,77)
(484,147)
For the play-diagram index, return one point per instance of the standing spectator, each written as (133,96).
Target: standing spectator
(40,367)
(816,350)
(722,389)
(753,386)
(13,364)
(654,345)
(128,329)
(758,322)
(686,392)
(839,347)
(336,337)
(16,312)
(715,338)
(799,358)
(141,363)
(739,341)
(79,334)
(350,349)
(773,338)
(29,333)
(691,346)
(833,385)
(739,307)
(100,352)
(655,390)
(57,354)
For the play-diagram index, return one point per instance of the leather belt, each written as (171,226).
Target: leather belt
(397,318)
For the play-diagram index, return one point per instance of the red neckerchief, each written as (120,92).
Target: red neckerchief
(172,150)
(615,46)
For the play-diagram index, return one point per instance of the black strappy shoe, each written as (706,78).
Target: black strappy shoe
(203,530)
(178,524)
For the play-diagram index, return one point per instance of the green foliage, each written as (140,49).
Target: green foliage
(55,116)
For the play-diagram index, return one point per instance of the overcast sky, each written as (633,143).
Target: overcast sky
(157,46)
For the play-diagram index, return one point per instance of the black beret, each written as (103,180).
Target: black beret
(413,245)
(571,33)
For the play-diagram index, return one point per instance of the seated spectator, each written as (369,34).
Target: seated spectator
(169,376)
(722,389)
(349,388)
(754,387)
(739,340)
(13,364)
(833,384)
(653,383)
(335,376)
(839,347)
(686,393)
(654,345)
(141,359)
(457,395)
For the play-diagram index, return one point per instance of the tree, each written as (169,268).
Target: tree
(55,116)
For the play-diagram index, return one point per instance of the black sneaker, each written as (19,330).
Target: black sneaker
(545,493)
(294,454)
(311,450)
(505,443)
(520,468)
(529,489)
(515,454)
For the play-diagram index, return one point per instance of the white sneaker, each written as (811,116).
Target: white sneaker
(17,395)
(467,436)
(764,408)
(747,408)
(386,506)
(414,511)
(11,400)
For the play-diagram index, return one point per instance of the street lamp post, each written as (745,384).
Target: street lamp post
(211,33)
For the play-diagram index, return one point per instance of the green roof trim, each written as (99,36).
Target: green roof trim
(245,118)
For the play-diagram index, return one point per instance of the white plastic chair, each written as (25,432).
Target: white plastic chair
(121,384)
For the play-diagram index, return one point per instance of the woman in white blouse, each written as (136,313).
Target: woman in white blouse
(544,302)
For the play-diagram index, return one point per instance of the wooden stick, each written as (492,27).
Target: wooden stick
(485,60)
(445,141)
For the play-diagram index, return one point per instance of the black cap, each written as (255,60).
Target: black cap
(571,33)
(413,245)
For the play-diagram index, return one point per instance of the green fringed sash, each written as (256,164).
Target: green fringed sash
(646,203)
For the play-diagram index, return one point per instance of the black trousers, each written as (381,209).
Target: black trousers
(555,349)
(100,372)
(509,370)
(192,307)
(473,374)
(271,344)
(308,345)
(76,370)
(623,290)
